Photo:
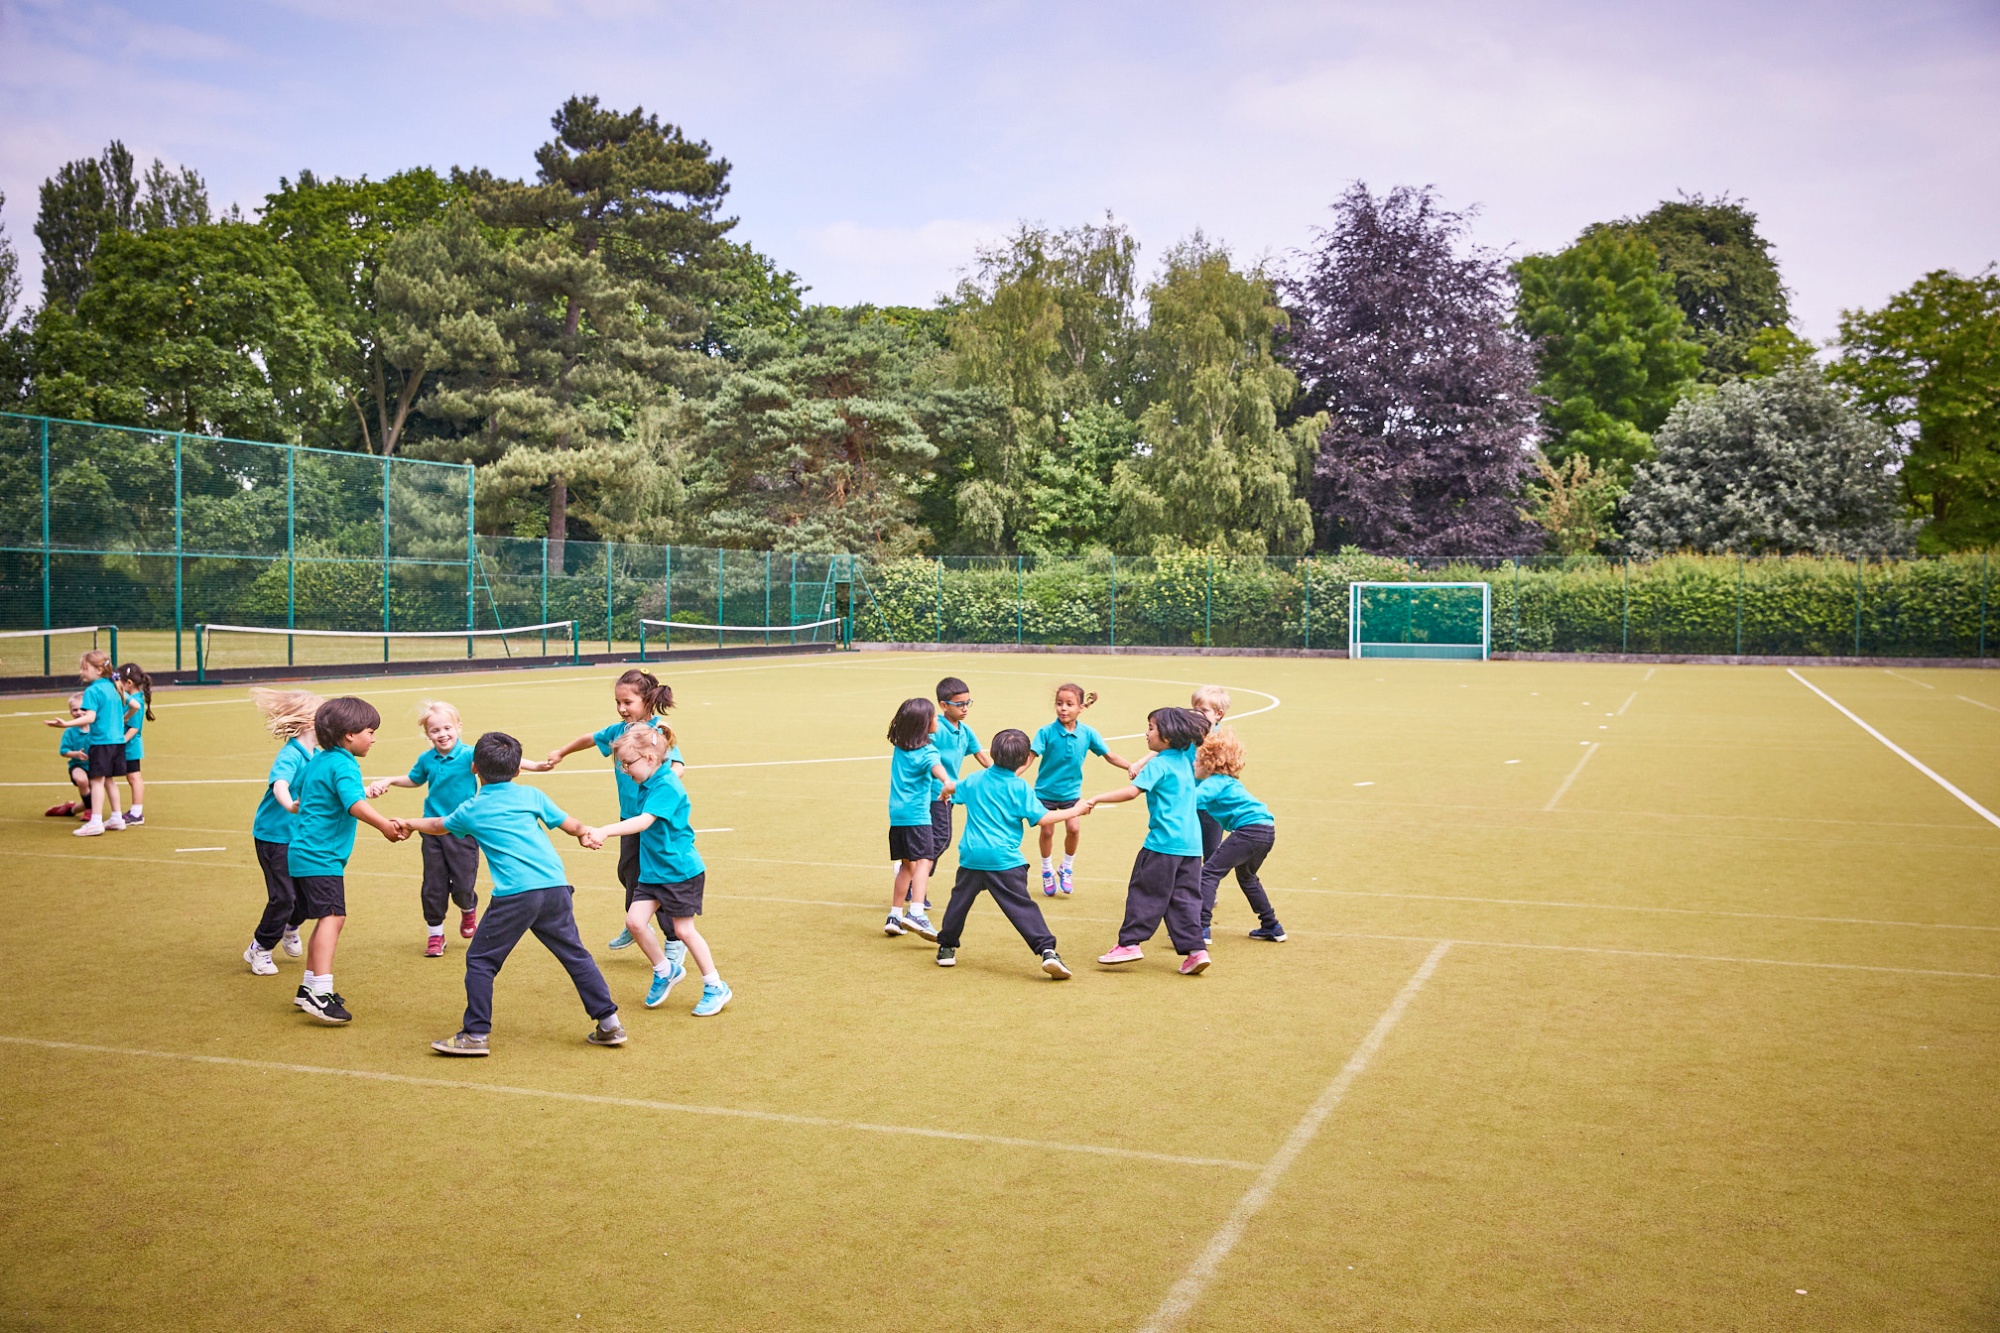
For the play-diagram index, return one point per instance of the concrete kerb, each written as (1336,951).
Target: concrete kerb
(1649,659)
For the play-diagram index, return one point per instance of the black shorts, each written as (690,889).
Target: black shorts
(131,766)
(675,900)
(107,761)
(940,828)
(78,766)
(910,842)
(323,895)
(1048,804)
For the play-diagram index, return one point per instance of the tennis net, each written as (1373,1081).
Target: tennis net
(238,647)
(25,651)
(661,635)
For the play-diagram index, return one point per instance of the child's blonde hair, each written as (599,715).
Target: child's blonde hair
(431,708)
(653,742)
(96,658)
(76,703)
(1221,753)
(288,714)
(1211,698)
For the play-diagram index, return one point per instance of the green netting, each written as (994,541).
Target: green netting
(1413,620)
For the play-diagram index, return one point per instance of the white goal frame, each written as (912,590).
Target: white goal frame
(1357,647)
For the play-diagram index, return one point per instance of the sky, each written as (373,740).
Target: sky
(875,146)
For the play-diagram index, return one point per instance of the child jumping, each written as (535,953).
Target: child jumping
(137,687)
(101,713)
(1061,747)
(1166,876)
(913,764)
(451,863)
(998,806)
(1220,796)
(332,797)
(671,872)
(956,742)
(289,716)
(75,750)
(530,893)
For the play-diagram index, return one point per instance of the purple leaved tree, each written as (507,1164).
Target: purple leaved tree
(1401,333)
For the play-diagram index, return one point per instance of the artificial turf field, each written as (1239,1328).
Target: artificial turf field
(1709,1042)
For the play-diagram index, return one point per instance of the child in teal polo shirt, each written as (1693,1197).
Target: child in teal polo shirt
(998,806)
(101,713)
(1060,749)
(76,755)
(915,770)
(451,863)
(530,893)
(137,687)
(956,742)
(1248,832)
(1166,876)
(288,714)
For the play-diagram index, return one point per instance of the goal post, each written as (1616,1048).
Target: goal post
(1452,621)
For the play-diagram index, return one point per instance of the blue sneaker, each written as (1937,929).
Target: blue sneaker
(676,951)
(622,940)
(1048,884)
(713,996)
(657,992)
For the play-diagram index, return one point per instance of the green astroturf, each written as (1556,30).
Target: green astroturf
(1720,1027)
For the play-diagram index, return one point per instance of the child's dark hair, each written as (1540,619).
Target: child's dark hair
(337,719)
(496,757)
(910,729)
(134,674)
(1178,727)
(1010,749)
(949,686)
(657,697)
(1071,687)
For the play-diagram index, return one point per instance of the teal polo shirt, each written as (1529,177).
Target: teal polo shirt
(136,720)
(73,738)
(1229,803)
(274,823)
(628,790)
(448,776)
(1060,776)
(998,806)
(506,819)
(666,846)
(323,837)
(910,785)
(103,698)
(1168,781)
(954,742)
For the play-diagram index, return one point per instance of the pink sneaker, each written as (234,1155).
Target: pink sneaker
(1125,953)
(1195,963)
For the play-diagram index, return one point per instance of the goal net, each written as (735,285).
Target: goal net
(1437,620)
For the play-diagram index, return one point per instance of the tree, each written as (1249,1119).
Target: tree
(1400,333)
(1927,365)
(1723,277)
(752,293)
(13,337)
(1611,345)
(1778,465)
(1572,504)
(1216,469)
(91,198)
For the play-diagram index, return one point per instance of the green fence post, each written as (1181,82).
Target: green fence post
(1020,590)
(718,597)
(792,599)
(200,664)
(1208,607)
(1857,606)
(177,551)
(1114,600)
(667,606)
(471,553)
(940,599)
(1307,564)
(114,643)
(767,599)
(1985,560)
(575,644)
(1517,607)
(609,551)
(642,638)
(291,556)
(545,596)
(1625,609)
(1739,606)
(46,598)
(385,559)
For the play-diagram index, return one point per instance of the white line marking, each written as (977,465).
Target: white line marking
(1976,704)
(638,1103)
(1911,679)
(201,849)
(1183,1295)
(1364,784)
(1911,759)
(160,782)
(1561,905)
(1648,676)
(1572,775)
(1513,761)
(714,830)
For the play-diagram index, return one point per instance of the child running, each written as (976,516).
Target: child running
(101,713)
(639,697)
(137,687)
(998,806)
(1166,876)
(1220,795)
(1212,702)
(451,863)
(530,893)
(75,751)
(671,872)
(289,716)
(332,797)
(913,763)
(1061,747)
(956,742)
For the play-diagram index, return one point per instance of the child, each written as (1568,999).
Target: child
(1212,702)
(1061,747)
(101,713)
(1220,796)
(671,872)
(289,716)
(451,863)
(955,742)
(998,805)
(1166,877)
(137,688)
(331,798)
(529,893)
(75,751)
(639,697)
(912,766)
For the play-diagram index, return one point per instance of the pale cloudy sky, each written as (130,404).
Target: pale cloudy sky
(876,144)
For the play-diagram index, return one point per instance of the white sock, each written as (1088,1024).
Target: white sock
(1069,860)
(711,978)
(437,930)
(1047,865)
(663,967)
(307,980)
(321,984)
(137,809)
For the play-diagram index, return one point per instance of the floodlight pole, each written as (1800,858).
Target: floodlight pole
(47,624)
(178,440)
(471,553)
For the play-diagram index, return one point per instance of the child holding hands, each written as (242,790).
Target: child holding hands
(1166,876)
(451,862)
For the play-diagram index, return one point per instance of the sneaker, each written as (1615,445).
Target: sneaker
(303,998)
(713,996)
(260,961)
(1206,938)
(134,821)
(462,1043)
(327,1008)
(87,830)
(434,947)
(894,925)
(614,1035)
(115,824)
(947,957)
(1052,964)
(918,923)
(1124,953)
(294,946)
(468,922)
(1195,963)
(1049,883)
(622,940)
(1065,880)
(1273,932)
(61,810)
(657,992)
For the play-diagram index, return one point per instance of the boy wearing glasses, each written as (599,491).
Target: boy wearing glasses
(955,742)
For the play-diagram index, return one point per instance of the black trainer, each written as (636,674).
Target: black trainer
(1052,964)
(947,957)
(327,1008)
(1273,932)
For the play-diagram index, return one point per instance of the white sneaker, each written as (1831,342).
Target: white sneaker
(115,824)
(294,946)
(91,830)
(260,961)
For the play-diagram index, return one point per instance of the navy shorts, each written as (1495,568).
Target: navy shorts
(108,761)
(940,828)
(910,842)
(675,900)
(323,895)
(77,766)
(131,766)
(1066,803)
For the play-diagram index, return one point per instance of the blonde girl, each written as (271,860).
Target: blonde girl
(101,713)
(451,861)
(288,715)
